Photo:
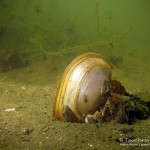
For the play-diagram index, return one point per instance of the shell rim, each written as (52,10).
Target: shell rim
(56,112)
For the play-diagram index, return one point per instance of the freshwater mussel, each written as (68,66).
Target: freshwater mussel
(86,93)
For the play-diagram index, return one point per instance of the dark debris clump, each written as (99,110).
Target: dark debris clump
(116,60)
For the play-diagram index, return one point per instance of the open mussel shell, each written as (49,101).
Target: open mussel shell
(83,88)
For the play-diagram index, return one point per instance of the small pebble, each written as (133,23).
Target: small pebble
(27,131)
(23,88)
(126,130)
(10,109)
(45,129)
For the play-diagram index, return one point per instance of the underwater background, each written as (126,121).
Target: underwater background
(39,38)
(34,30)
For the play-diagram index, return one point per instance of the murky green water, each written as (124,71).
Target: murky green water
(35,29)
(39,38)
(52,25)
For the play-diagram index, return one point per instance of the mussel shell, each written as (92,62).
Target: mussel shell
(82,88)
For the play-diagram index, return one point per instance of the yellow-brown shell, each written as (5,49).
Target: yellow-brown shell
(82,88)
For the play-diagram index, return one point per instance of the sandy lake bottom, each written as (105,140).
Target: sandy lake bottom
(30,93)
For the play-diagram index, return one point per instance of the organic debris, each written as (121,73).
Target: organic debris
(122,107)
(116,60)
